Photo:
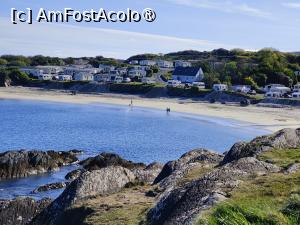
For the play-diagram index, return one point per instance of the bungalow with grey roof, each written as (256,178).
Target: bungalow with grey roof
(188,74)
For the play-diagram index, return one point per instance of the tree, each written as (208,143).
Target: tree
(251,82)
(3,61)
(210,79)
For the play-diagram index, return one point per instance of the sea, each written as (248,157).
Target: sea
(138,134)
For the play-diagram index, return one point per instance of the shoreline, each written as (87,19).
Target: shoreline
(271,119)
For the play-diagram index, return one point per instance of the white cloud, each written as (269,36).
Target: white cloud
(68,40)
(224,6)
(292,5)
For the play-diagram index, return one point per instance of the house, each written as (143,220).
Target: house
(147,63)
(182,64)
(241,88)
(106,68)
(296,88)
(83,76)
(164,64)
(296,95)
(50,69)
(188,74)
(220,87)
(137,72)
(122,71)
(63,77)
(72,70)
(279,88)
(45,77)
(102,77)
(297,73)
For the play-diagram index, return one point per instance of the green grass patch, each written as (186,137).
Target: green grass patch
(282,158)
(264,200)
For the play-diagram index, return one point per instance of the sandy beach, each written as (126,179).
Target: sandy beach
(272,119)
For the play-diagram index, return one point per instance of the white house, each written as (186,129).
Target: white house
(182,64)
(72,70)
(136,73)
(241,88)
(83,77)
(220,87)
(296,88)
(147,63)
(50,69)
(164,64)
(188,74)
(106,68)
(102,77)
(296,95)
(45,77)
(279,88)
(65,77)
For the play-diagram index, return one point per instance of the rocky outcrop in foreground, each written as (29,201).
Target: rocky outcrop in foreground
(104,181)
(283,139)
(17,164)
(21,210)
(182,205)
(184,188)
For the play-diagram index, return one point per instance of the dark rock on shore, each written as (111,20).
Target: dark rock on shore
(20,211)
(283,139)
(17,164)
(108,159)
(74,174)
(91,183)
(180,206)
(53,186)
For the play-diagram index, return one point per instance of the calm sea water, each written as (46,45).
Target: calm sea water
(137,134)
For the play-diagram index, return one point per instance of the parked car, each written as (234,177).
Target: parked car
(173,83)
(126,80)
(200,85)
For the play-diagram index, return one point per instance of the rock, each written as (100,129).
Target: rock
(108,159)
(283,139)
(174,170)
(76,152)
(17,164)
(20,211)
(53,186)
(293,168)
(74,174)
(180,206)
(91,183)
(149,173)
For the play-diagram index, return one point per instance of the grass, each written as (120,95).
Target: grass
(282,158)
(126,207)
(273,199)
(194,174)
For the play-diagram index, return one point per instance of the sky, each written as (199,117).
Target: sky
(179,25)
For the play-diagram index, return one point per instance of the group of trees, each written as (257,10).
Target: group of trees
(256,69)
(13,76)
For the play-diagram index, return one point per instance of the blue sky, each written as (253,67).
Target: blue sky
(180,25)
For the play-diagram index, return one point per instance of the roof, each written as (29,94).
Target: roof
(186,71)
